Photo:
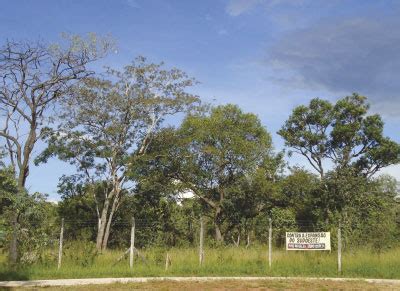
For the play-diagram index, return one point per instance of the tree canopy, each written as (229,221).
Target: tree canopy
(341,133)
(211,152)
(139,138)
(106,121)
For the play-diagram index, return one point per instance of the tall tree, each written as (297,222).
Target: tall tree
(107,121)
(342,134)
(210,153)
(34,76)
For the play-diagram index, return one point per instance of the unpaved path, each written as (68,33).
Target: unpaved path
(209,283)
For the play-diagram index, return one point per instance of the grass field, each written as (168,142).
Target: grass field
(224,261)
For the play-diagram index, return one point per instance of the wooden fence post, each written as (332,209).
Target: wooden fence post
(270,243)
(132,243)
(201,250)
(167,262)
(61,244)
(339,238)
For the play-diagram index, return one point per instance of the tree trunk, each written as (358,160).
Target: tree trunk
(236,242)
(107,232)
(109,221)
(218,234)
(103,223)
(248,240)
(25,158)
(23,166)
(13,255)
(23,174)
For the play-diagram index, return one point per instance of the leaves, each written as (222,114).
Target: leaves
(212,154)
(342,134)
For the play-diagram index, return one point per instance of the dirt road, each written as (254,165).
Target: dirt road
(206,283)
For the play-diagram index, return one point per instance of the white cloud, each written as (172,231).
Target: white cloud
(132,3)
(237,7)
(272,3)
(393,170)
(354,55)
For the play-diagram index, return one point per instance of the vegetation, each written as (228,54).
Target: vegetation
(107,122)
(223,261)
(212,155)
(35,76)
(115,128)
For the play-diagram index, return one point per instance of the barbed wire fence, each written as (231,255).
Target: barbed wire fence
(274,231)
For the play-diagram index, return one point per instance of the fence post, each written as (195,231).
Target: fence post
(61,244)
(201,250)
(339,237)
(132,243)
(167,262)
(270,243)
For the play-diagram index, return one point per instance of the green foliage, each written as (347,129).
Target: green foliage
(160,221)
(80,253)
(78,208)
(37,230)
(108,121)
(210,154)
(8,191)
(342,133)
(128,164)
(35,218)
(299,188)
(226,261)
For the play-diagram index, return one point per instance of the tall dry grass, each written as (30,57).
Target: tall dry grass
(222,261)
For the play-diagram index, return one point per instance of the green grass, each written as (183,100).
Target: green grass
(224,261)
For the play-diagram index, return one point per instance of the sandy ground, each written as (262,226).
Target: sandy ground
(204,283)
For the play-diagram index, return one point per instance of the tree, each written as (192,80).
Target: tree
(365,206)
(160,220)
(78,208)
(34,77)
(345,137)
(107,121)
(35,216)
(253,196)
(342,134)
(8,189)
(299,189)
(210,153)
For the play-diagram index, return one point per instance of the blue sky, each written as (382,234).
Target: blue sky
(265,55)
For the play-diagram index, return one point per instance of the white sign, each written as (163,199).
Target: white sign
(308,241)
